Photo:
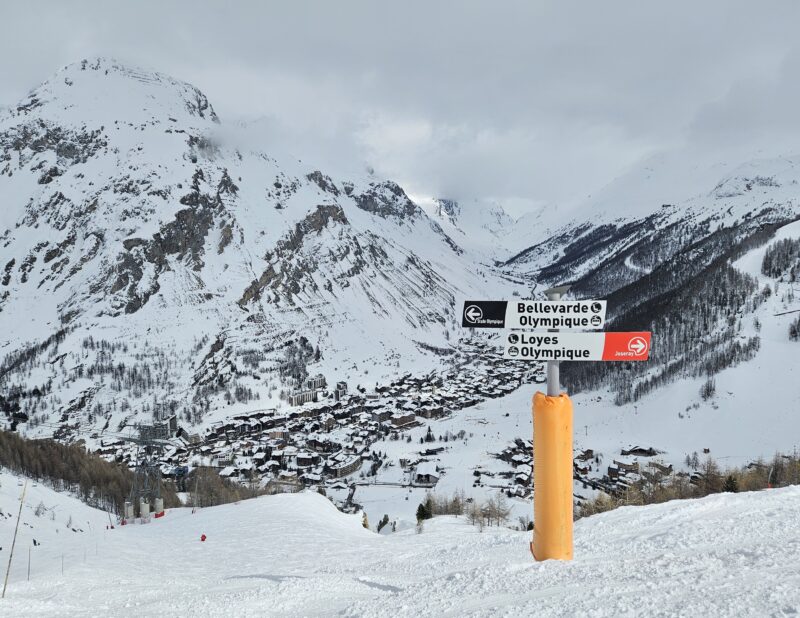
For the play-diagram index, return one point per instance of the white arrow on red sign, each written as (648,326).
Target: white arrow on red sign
(637,345)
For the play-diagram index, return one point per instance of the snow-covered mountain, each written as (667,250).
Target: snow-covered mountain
(145,254)
(655,210)
(480,226)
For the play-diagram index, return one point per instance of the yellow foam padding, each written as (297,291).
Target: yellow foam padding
(552,477)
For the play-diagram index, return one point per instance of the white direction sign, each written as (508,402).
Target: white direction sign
(577,346)
(557,314)
(535,314)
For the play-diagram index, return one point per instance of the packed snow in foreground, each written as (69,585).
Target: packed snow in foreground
(286,555)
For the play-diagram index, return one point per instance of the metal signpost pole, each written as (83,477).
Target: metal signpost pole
(553,387)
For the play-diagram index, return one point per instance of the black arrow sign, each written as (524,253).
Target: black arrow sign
(484,314)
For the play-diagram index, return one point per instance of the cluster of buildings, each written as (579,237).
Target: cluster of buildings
(325,436)
(588,469)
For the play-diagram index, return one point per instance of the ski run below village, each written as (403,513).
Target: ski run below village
(296,554)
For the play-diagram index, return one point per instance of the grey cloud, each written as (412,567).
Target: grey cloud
(517,101)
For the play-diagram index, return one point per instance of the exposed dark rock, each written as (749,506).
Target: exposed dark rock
(450,242)
(7,273)
(387,199)
(226,184)
(48,175)
(130,243)
(32,103)
(448,208)
(225,237)
(203,146)
(289,275)
(35,137)
(183,237)
(323,182)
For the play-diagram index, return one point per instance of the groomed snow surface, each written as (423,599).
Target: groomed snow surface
(296,555)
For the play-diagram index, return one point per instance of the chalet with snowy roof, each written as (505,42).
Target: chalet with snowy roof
(381,414)
(343,413)
(288,455)
(322,445)
(269,467)
(627,467)
(228,472)
(306,459)
(660,467)
(426,474)
(260,458)
(640,451)
(311,478)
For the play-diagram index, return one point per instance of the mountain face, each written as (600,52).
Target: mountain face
(151,264)
(481,227)
(145,256)
(668,268)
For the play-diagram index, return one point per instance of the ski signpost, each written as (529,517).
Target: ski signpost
(535,315)
(577,346)
(552,413)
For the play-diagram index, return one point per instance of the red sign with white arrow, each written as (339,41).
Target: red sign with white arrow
(567,346)
(626,346)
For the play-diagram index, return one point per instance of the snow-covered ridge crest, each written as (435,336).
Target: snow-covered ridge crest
(102,90)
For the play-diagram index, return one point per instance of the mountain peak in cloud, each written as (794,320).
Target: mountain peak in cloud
(106,90)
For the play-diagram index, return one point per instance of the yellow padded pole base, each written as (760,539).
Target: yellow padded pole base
(552,477)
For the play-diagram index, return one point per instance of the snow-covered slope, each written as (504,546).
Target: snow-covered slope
(482,227)
(296,555)
(57,522)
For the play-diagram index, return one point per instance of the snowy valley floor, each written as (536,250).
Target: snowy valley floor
(296,555)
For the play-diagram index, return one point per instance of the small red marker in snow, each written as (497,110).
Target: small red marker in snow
(203,537)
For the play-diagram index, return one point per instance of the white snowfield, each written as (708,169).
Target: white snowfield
(296,555)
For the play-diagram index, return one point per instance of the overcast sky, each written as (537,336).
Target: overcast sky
(523,102)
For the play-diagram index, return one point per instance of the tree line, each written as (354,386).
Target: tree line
(70,468)
(782,258)
(706,477)
(205,487)
(494,511)
(696,332)
(693,301)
